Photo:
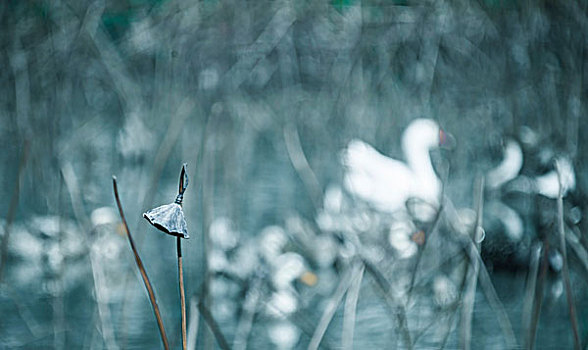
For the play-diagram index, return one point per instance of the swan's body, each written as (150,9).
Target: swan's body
(548,184)
(387,183)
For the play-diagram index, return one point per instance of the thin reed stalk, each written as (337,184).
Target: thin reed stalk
(141,268)
(301,165)
(213,326)
(530,292)
(472,273)
(397,307)
(565,270)
(331,308)
(182,294)
(350,312)
(538,302)
(12,207)
(472,253)
(492,297)
(193,324)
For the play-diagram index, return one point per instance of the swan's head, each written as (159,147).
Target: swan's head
(423,133)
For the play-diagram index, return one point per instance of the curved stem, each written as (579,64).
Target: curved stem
(141,268)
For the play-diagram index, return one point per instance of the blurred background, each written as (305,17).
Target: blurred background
(260,99)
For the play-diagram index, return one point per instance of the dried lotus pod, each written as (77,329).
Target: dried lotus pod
(169,218)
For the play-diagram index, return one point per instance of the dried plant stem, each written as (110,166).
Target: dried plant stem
(468,305)
(330,310)
(213,326)
(492,296)
(182,295)
(472,253)
(448,327)
(530,293)
(182,187)
(193,324)
(538,302)
(578,249)
(307,327)
(12,207)
(301,165)
(141,268)
(397,308)
(472,273)
(565,270)
(351,309)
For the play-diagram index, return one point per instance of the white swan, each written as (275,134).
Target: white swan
(387,183)
(511,222)
(509,168)
(547,184)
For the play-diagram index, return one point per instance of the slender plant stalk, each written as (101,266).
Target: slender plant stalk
(565,271)
(449,324)
(397,307)
(330,309)
(141,268)
(181,189)
(473,271)
(193,324)
(462,291)
(467,309)
(182,295)
(530,292)
(578,249)
(214,328)
(485,282)
(301,165)
(538,302)
(350,312)
(492,297)
(12,207)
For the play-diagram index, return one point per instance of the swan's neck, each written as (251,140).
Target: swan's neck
(419,161)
